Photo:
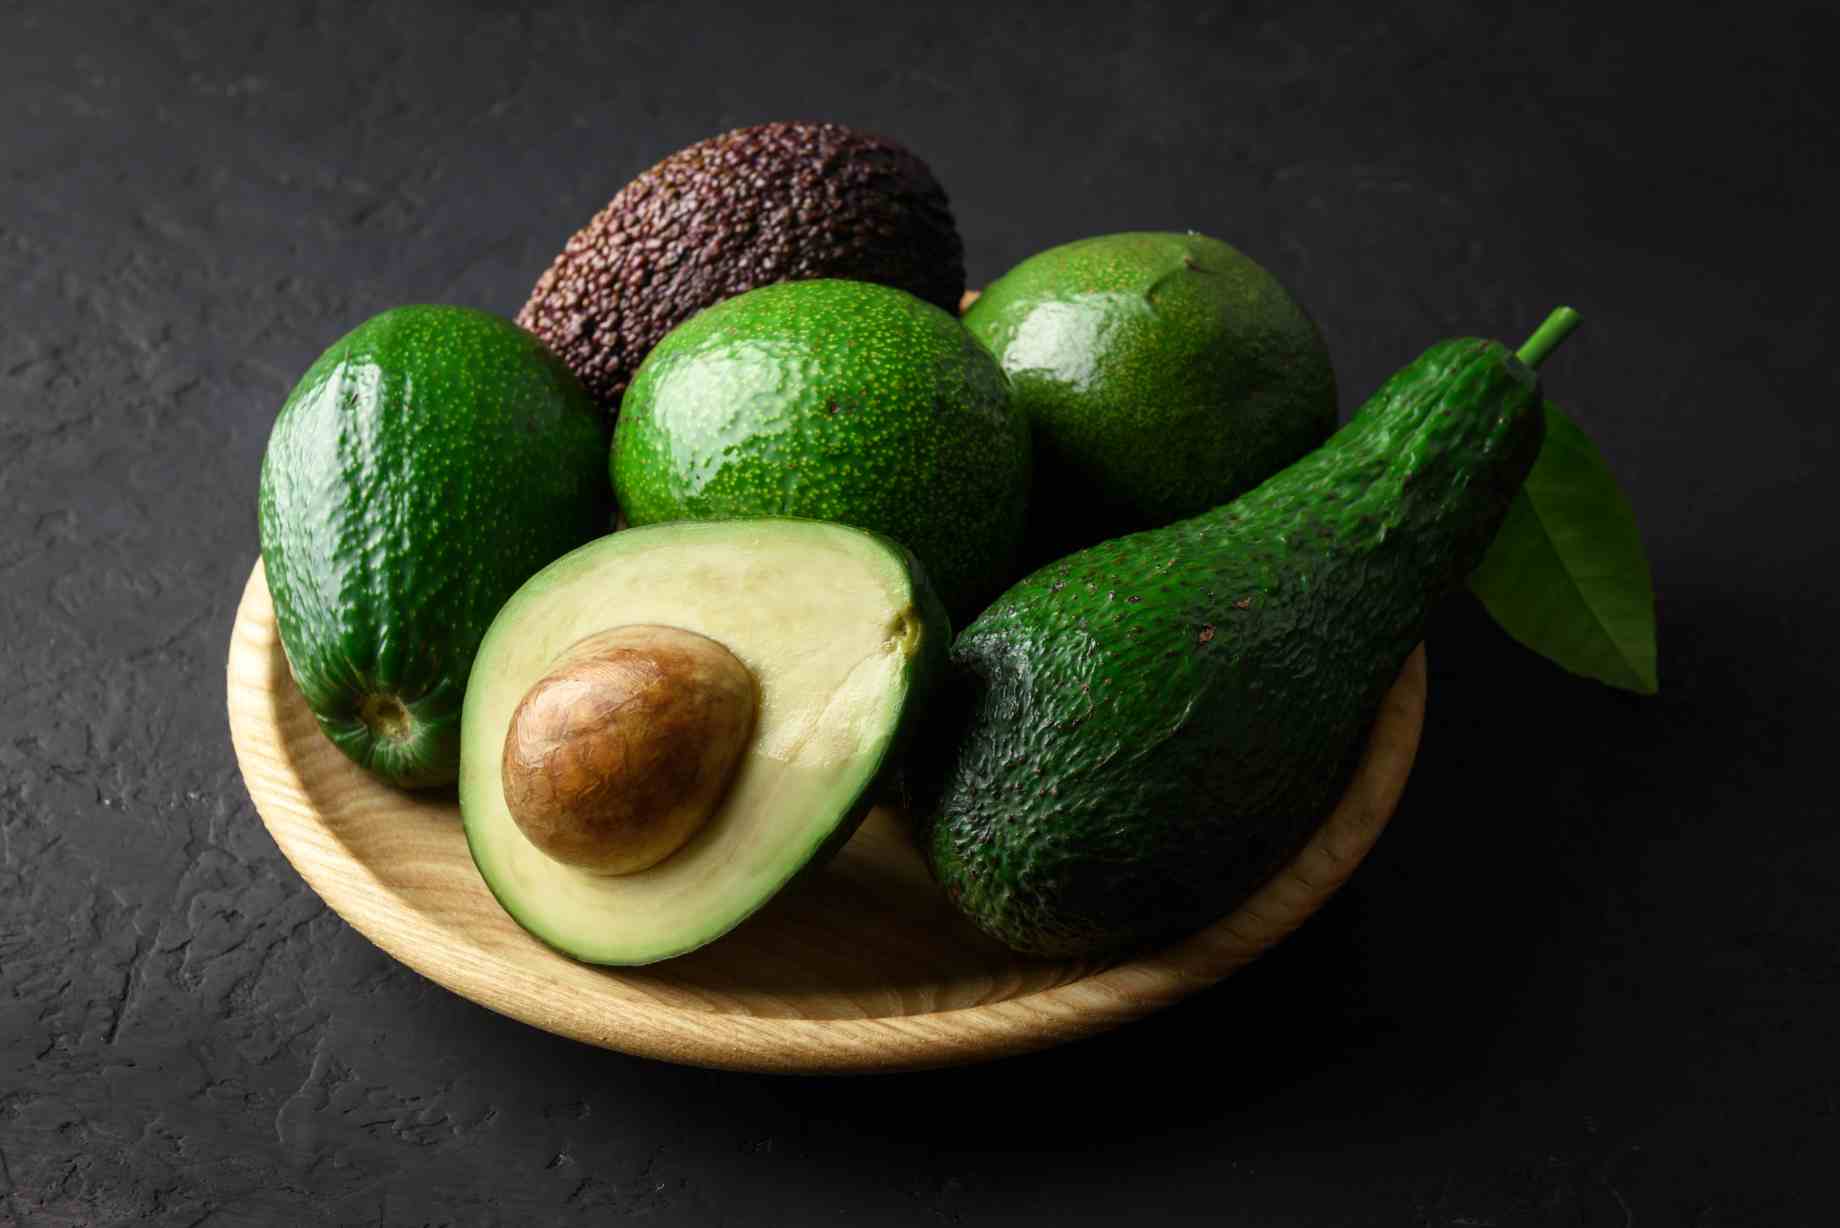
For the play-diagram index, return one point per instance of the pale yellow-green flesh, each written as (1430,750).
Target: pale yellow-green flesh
(822,616)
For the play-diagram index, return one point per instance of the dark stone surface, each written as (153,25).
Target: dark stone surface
(1590,977)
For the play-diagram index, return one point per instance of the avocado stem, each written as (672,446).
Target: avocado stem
(386,717)
(1547,336)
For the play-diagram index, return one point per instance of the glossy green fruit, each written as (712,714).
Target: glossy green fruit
(1147,729)
(1162,375)
(834,400)
(425,466)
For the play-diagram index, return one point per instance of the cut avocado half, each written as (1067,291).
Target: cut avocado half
(841,633)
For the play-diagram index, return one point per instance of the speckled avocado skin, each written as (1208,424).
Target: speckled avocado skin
(1163,374)
(1146,730)
(425,466)
(834,400)
(774,202)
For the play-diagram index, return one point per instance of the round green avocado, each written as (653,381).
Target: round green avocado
(1162,375)
(833,400)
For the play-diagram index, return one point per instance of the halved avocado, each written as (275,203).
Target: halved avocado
(842,634)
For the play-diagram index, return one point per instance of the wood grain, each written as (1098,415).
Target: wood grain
(859,967)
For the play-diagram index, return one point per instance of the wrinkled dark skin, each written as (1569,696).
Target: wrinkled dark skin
(775,202)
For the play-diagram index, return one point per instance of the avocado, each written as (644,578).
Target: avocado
(840,637)
(774,202)
(427,464)
(837,400)
(1143,732)
(1162,375)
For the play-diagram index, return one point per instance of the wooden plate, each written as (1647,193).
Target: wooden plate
(862,966)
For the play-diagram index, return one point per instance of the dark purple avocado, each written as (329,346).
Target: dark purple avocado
(774,202)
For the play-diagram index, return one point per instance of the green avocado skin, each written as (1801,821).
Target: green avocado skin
(427,464)
(833,400)
(1144,731)
(1162,374)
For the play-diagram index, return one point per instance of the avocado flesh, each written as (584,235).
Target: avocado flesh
(840,632)
(1146,730)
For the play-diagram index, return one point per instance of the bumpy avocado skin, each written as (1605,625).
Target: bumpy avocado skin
(1147,729)
(427,464)
(1162,374)
(770,203)
(834,400)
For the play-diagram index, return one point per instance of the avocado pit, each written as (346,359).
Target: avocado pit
(618,755)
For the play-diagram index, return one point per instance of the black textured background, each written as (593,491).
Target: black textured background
(1590,977)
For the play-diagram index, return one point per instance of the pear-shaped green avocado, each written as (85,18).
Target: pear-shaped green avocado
(833,400)
(426,465)
(1147,729)
(1162,375)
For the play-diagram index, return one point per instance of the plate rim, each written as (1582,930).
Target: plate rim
(1111,995)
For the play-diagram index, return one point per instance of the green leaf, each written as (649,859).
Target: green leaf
(1566,575)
